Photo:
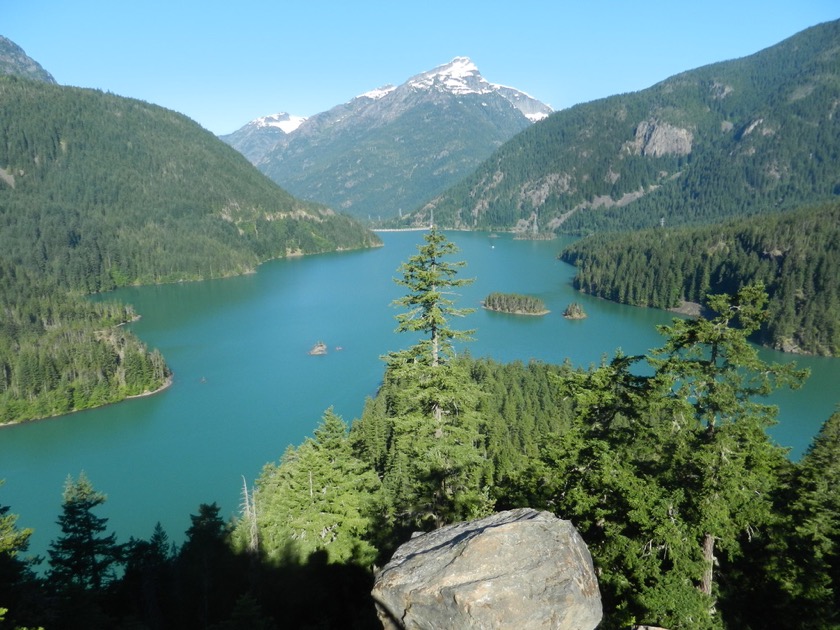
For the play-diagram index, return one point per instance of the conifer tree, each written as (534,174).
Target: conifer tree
(716,375)
(809,548)
(665,472)
(436,470)
(17,580)
(84,556)
(321,497)
(430,278)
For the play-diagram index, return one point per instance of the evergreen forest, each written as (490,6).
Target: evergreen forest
(515,303)
(98,192)
(693,516)
(61,353)
(796,255)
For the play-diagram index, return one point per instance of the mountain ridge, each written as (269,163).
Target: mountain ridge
(736,137)
(15,61)
(93,182)
(388,149)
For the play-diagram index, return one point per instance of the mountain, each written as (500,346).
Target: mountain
(14,61)
(388,150)
(98,191)
(259,136)
(734,138)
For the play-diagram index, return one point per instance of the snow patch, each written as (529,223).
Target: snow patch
(378,93)
(459,76)
(283,121)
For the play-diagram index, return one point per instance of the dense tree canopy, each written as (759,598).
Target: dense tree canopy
(515,303)
(61,353)
(662,462)
(795,255)
(99,191)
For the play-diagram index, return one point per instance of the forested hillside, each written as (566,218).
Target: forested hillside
(735,138)
(61,353)
(796,255)
(99,191)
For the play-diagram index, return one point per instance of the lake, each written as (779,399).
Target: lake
(245,386)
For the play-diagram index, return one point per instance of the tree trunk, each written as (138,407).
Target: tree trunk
(709,560)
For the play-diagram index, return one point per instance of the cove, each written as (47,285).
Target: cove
(245,387)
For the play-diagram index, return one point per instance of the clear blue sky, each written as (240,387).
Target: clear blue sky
(226,63)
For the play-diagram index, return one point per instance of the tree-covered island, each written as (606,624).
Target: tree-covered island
(515,304)
(574,311)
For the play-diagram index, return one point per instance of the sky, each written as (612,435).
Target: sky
(225,63)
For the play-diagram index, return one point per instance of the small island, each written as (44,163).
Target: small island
(319,348)
(515,304)
(574,311)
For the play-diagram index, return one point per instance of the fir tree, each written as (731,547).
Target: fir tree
(430,279)
(84,556)
(321,497)
(436,469)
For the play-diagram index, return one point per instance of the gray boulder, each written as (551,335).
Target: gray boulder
(517,569)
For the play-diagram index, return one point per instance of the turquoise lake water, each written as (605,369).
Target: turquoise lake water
(245,387)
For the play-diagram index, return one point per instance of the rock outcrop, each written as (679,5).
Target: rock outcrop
(518,569)
(655,139)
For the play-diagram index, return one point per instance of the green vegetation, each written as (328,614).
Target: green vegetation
(741,137)
(61,353)
(431,464)
(750,137)
(574,311)
(398,162)
(796,255)
(321,497)
(515,303)
(694,518)
(98,192)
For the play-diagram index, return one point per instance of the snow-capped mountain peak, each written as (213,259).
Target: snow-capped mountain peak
(283,121)
(459,76)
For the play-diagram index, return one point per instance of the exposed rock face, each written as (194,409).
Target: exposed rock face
(14,61)
(655,139)
(519,569)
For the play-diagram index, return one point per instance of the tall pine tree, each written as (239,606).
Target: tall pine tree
(436,470)
(84,556)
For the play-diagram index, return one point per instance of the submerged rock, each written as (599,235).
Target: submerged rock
(517,569)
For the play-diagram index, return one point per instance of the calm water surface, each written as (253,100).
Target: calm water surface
(245,387)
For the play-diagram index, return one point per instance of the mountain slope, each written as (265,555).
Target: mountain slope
(795,254)
(259,136)
(388,150)
(98,191)
(733,138)
(14,61)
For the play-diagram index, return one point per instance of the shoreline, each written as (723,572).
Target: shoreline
(498,310)
(166,385)
(412,229)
